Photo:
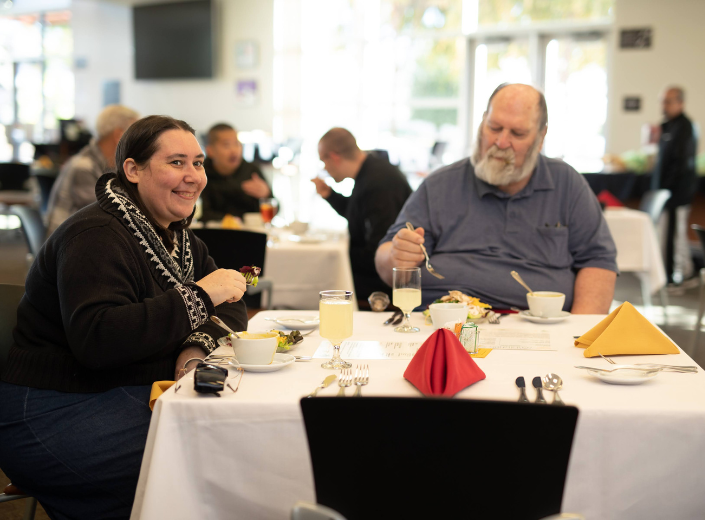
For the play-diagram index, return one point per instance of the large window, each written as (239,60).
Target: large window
(36,81)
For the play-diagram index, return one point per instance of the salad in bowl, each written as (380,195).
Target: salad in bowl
(476,309)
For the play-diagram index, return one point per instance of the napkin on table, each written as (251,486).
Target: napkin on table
(158,388)
(442,366)
(625,331)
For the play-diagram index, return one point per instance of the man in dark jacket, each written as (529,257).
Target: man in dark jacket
(379,194)
(675,171)
(234,185)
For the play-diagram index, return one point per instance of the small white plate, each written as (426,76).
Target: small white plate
(539,319)
(625,376)
(279,362)
(297,322)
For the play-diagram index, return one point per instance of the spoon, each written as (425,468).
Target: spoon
(519,279)
(553,382)
(222,325)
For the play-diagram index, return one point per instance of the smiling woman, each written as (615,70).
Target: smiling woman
(119,297)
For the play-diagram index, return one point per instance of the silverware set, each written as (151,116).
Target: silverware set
(652,366)
(395,319)
(360,378)
(550,382)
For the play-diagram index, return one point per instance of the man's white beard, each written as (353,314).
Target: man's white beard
(503,172)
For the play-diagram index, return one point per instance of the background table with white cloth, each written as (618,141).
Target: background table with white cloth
(638,249)
(638,452)
(302,266)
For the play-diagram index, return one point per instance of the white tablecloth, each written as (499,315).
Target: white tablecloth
(638,453)
(299,271)
(638,248)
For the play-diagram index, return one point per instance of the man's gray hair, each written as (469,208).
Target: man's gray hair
(113,117)
(543,108)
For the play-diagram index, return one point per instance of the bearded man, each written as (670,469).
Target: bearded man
(507,208)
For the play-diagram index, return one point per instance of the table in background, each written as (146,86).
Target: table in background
(299,270)
(638,249)
(638,452)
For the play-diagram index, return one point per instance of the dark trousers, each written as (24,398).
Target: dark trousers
(671,242)
(78,454)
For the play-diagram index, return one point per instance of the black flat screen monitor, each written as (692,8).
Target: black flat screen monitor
(173,40)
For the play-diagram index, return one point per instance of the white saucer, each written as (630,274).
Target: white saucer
(538,319)
(279,362)
(297,322)
(623,377)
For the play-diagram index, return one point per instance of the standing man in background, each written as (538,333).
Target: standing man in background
(675,171)
(75,186)
(234,185)
(379,194)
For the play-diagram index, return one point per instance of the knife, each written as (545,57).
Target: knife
(522,386)
(539,392)
(303,358)
(327,381)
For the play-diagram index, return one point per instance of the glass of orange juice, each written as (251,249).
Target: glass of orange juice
(336,323)
(268,208)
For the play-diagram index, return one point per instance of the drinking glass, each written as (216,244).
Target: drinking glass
(407,294)
(267,208)
(336,322)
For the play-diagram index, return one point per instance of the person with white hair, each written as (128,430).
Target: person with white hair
(505,208)
(75,186)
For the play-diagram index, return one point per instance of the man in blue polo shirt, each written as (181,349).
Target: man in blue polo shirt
(507,208)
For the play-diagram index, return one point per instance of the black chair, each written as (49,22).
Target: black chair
(13,176)
(235,248)
(427,457)
(10,296)
(33,227)
(653,202)
(700,231)
(46,183)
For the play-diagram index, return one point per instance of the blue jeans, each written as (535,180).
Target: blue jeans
(78,454)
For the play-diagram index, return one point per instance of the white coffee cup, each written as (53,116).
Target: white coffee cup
(255,348)
(253,220)
(442,313)
(545,304)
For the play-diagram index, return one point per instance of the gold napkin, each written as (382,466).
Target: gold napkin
(158,388)
(625,331)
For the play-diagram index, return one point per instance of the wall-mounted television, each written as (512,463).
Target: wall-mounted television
(173,40)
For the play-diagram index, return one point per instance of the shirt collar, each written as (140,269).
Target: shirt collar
(541,179)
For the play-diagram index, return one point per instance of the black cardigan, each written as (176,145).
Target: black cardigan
(104,307)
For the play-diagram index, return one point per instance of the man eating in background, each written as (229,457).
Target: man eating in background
(507,208)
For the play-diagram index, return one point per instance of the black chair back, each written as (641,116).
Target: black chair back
(438,458)
(653,202)
(32,225)
(13,176)
(46,183)
(10,296)
(236,248)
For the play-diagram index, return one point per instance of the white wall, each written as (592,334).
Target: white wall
(103,37)
(675,57)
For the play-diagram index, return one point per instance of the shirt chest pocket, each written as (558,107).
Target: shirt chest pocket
(552,247)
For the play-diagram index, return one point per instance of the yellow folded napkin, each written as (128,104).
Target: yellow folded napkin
(625,331)
(158,388)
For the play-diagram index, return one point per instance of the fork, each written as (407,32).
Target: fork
(667,368)
(362,377)
(429,268)
(345,381)
(493,318)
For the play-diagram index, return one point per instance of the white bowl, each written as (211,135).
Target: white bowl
(442,313)
(255,348)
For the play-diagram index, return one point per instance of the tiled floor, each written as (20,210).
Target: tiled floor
(679,324)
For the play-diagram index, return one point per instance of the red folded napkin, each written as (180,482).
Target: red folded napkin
(609,200)
(442,366)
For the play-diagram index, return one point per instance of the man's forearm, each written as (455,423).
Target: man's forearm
(383,263)
(594,290)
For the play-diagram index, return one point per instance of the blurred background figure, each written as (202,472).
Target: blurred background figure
(234,185)
(377,198)
(75,186)
(675,171)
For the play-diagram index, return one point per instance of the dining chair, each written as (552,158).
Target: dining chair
(33,227)
(700,231)
(235,248)
(10,296)
(13,176)
(393,457)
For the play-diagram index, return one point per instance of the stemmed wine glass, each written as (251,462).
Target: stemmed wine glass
(336,322)
(407,294)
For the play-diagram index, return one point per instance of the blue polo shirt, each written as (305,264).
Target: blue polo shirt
(476,234)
